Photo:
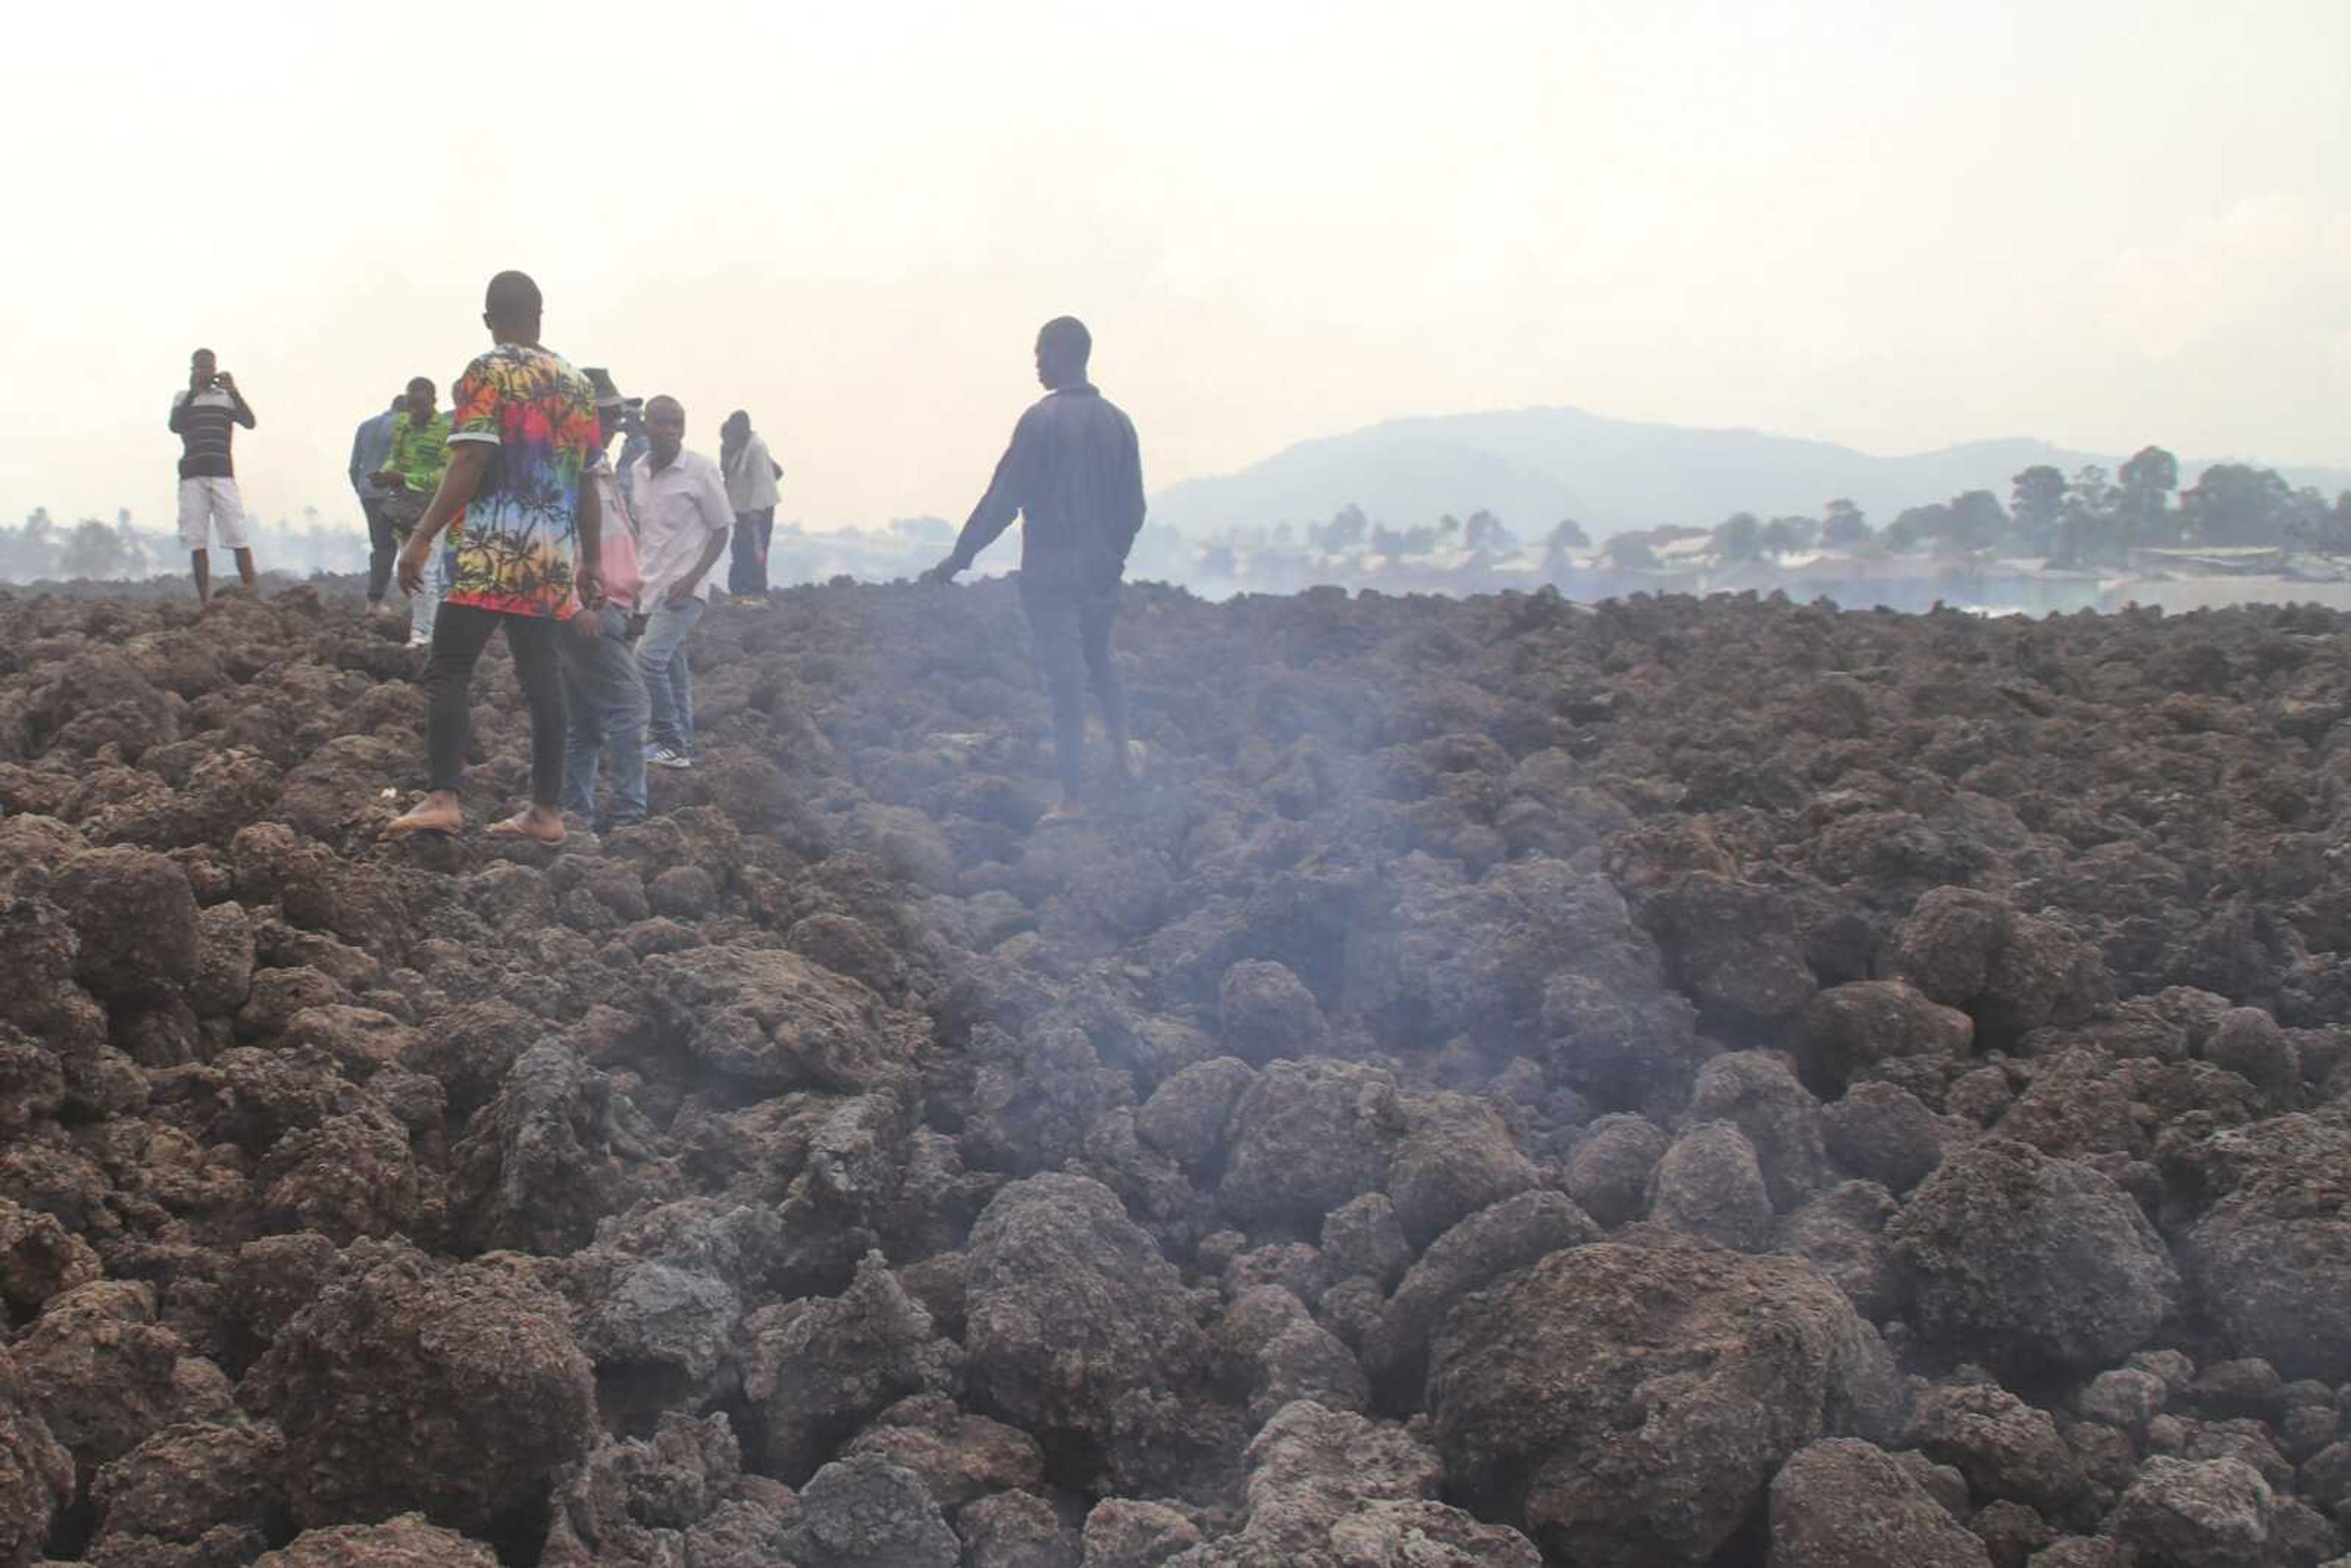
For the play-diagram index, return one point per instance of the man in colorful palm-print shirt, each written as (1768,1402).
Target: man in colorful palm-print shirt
(522,525)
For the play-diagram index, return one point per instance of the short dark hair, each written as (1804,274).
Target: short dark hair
(1069,334)
(512,297)
(203,354)
(424,381)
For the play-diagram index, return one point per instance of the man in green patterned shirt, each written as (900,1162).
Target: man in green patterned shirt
(419,455)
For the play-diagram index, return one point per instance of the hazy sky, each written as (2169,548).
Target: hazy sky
(1897,225)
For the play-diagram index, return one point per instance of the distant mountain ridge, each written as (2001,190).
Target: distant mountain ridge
(1533,466)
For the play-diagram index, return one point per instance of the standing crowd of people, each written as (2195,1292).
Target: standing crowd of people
(505,514)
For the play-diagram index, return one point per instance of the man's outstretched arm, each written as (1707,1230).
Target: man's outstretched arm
(996,509)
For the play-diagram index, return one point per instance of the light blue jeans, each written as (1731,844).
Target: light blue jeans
(425,607)
(604,699)
(669,681)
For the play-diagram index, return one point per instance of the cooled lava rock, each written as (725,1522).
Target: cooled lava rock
(1658,1084)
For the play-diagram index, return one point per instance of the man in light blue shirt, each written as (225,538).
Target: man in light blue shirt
(370,445)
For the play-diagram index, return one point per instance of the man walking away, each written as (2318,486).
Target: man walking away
(679,502)
(603,696)
(203,417)
(751,474)
(522,519)
(371,444)
(1075,475)
(411,475)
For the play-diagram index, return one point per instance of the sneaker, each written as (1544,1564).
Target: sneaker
(666,756)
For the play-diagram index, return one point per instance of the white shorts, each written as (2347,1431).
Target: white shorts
(208,506)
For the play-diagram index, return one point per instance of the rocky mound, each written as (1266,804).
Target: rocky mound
(1675,1085)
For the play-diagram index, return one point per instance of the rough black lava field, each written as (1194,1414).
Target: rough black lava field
(1668,1085)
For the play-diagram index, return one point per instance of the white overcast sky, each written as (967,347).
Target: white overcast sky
(1893,225)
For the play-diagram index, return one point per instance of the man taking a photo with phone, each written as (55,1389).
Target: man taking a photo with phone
(204,417)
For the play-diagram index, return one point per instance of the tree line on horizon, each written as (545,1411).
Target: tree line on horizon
(91,548)
(2088,519)
(41,548)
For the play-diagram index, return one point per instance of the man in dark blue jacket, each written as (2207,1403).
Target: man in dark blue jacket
(371,444)
(1074,474)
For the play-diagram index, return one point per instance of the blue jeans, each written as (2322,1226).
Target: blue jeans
(669,684)
(605,698)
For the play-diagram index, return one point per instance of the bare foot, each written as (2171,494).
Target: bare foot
(542,823)
(436,813)
(1067,811)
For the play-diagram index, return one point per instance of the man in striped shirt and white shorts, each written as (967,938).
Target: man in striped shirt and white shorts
(203,417)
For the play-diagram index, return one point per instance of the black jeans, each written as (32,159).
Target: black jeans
(381,547)
(747,566)
(1073,651)
(459,636)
